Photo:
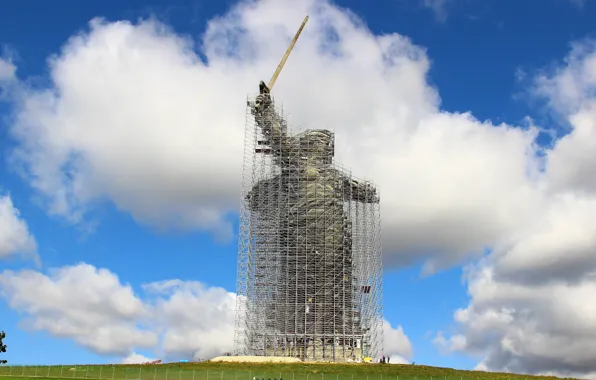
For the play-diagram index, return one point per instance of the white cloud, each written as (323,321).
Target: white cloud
(532,303)
(439,7)
(83,303)
(568,86)
(176,319)
(396,344)
(453,343)
(528,328)
(135,358)
(578,3)
(560,246)
(195,320)
(571,90)
(92,307)
(7,70)
(160,133)
(15,237)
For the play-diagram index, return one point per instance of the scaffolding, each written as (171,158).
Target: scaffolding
(309,265)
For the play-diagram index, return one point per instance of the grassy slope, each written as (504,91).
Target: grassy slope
(246,371)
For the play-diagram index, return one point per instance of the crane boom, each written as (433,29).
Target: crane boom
(286,55)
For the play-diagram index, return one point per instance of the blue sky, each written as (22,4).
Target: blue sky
(484,57)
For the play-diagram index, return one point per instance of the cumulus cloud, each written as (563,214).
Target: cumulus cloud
(559,247)
(578,3)
(529,329)
(83,303)
(396,344)
(568,86)
(571,90)
(532,303)
(194,320)
(15,237)
(7,70)
(95,309)
(176,319)
(439,7)
(135,358)
(158,131)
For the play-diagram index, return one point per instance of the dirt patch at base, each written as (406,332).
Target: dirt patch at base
(255,359)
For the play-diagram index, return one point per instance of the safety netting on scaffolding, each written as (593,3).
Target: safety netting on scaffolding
(309,264)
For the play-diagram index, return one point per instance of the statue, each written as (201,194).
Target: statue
(302,217)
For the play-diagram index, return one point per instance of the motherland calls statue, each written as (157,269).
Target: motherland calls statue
(309,231)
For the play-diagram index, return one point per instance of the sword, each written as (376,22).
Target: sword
(267,88)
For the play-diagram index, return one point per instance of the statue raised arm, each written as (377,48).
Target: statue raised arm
(272,125)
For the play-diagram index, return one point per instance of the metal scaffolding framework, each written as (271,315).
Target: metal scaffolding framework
(309,263)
